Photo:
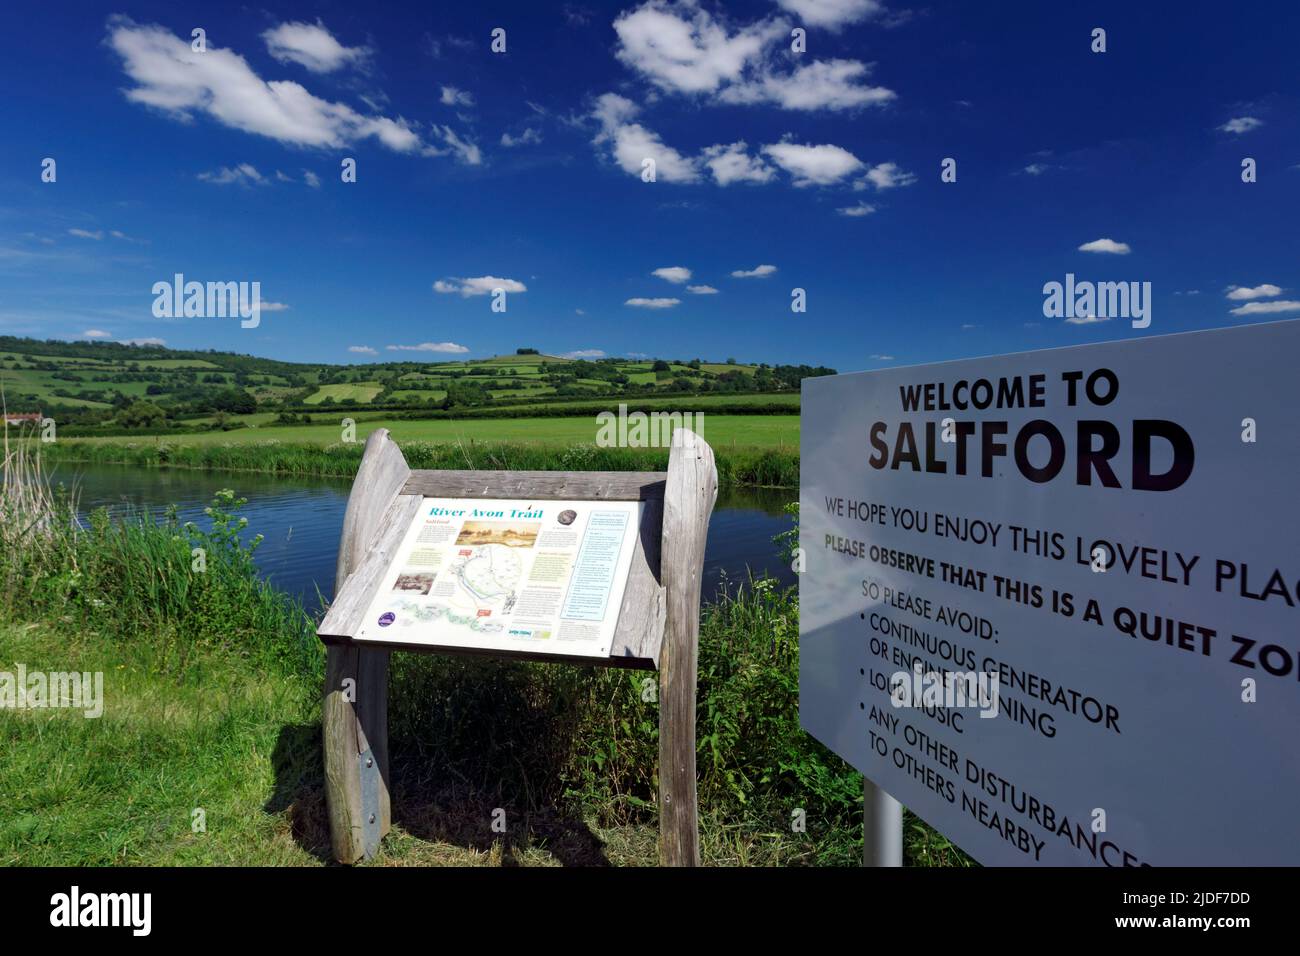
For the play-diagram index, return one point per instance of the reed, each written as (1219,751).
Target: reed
(768,469)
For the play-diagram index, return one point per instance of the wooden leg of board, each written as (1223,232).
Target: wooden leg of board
(689,494)
(355,740)
(354,713)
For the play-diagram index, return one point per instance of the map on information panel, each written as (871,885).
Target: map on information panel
(543,577)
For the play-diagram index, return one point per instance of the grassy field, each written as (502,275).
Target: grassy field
(721,431)
(769,468)
(357,392)
(77,380)
(211,702)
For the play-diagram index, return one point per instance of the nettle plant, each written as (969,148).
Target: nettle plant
(222,539)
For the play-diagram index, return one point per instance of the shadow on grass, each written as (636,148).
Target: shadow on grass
(431,803)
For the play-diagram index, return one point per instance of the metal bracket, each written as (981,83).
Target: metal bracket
(371,826)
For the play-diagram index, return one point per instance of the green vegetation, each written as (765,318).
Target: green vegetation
(773,468)
(212,683)
(722,431)
(360,392)
(107,388)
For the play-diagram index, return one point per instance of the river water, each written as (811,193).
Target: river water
(300,520)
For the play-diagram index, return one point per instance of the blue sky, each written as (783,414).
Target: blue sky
(525,166)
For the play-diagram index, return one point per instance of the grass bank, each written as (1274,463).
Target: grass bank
(724,432)
(211,703)
(772,468)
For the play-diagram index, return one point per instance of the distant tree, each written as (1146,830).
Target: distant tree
(661,366)
(236,401)
(527,352)
(141,414)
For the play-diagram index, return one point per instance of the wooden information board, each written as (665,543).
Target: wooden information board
(587,567)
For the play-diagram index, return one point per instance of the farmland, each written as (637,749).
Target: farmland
(722,431)
(110,389)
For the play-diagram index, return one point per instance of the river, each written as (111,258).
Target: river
(300,520)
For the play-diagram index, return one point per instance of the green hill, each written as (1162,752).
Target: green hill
(109,385)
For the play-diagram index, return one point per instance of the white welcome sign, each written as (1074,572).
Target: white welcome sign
(1051,600)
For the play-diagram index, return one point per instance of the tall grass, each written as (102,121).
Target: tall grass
(28,533)
(143,576)
(532,736)
(771,469)
(544,741)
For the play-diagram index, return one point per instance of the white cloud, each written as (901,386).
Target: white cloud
(480,285)
(701,290)
(97,334)
(1238,292)
(312,46)
(464,150)
(1036,169)
(220,84)
(1109,246)
(583,354)
(757,272)
(273,307)
(436,46)
(821,85)
(855,212)
(883,358)
(1265,308)
(244,174)
(1241,124)
(467,152)
(429,347)
(631,143)
(683,49)
(733,164)
(86,233)
(1087,319)
(641,303)
(362,350)
(888,176)
(311,179)
(677,274)
(832,14)
(689,55)
(451,96)
(529,135)
(813,165)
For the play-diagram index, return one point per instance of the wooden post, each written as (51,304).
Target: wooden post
(691,490)
(354,712)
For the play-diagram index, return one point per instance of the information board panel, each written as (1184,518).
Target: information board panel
(543,577)
(1050,599)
